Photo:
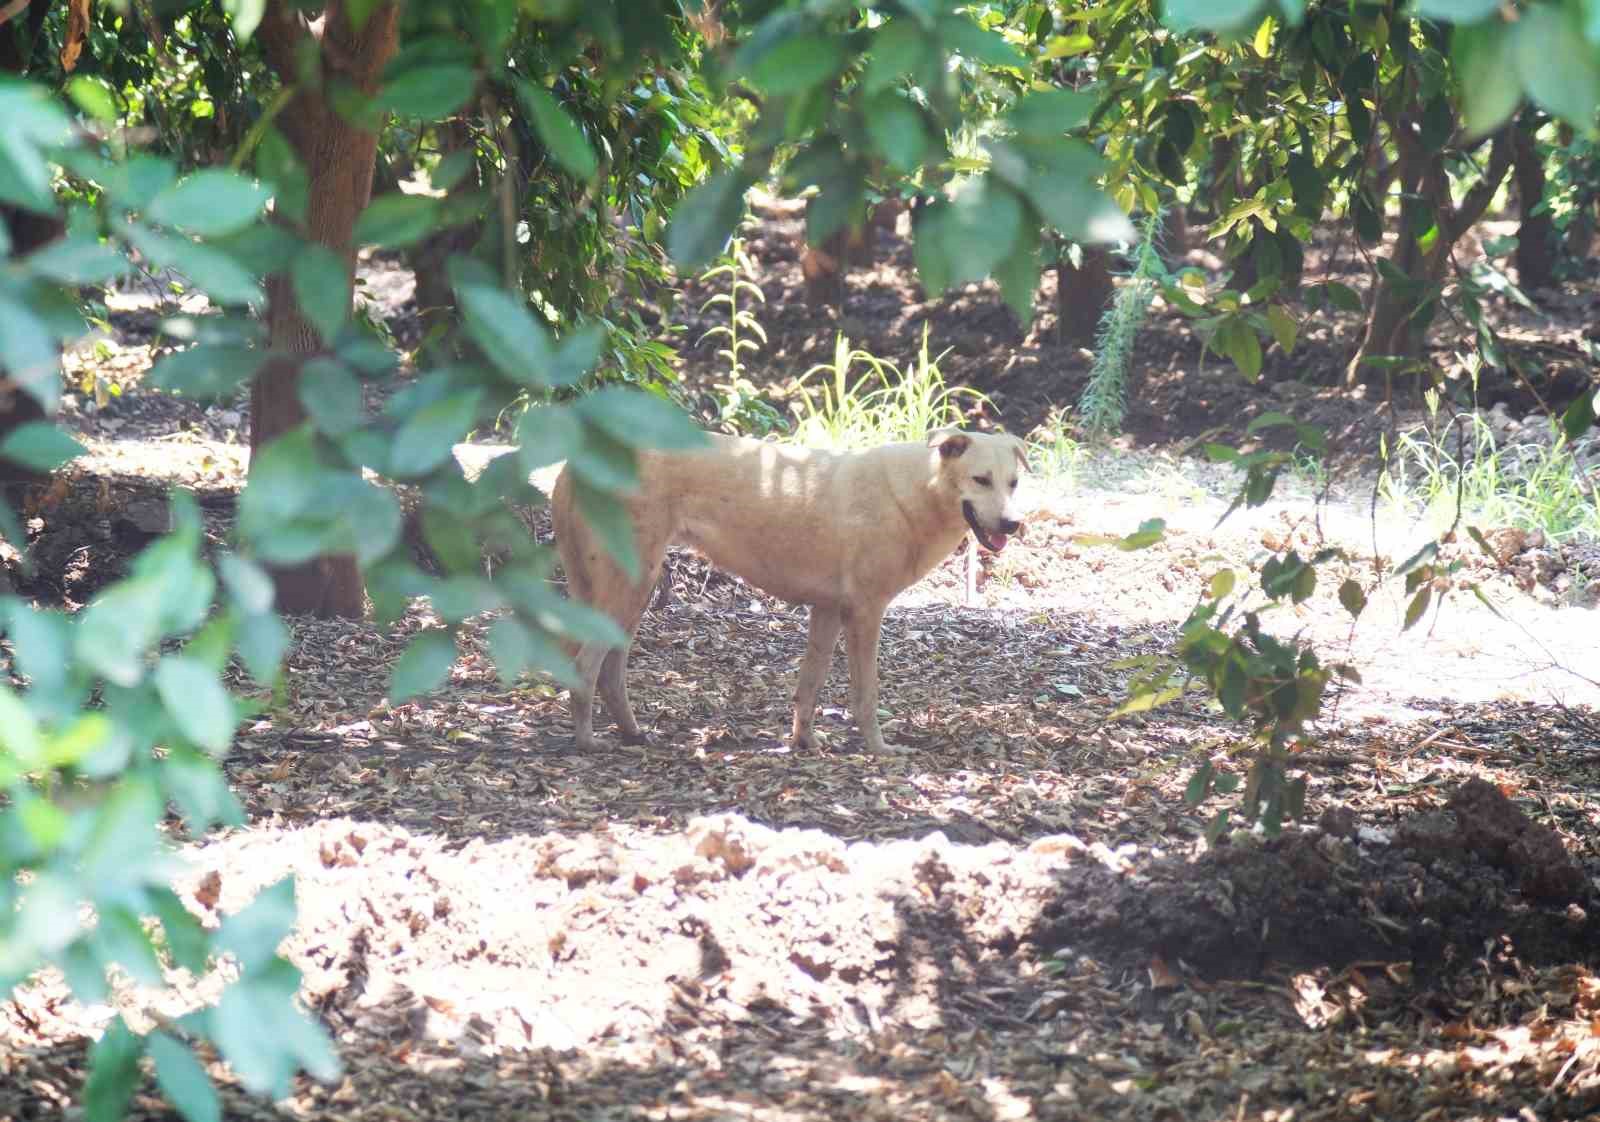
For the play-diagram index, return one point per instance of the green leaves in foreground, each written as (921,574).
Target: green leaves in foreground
(149,654)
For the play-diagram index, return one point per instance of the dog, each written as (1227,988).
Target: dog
(842,532)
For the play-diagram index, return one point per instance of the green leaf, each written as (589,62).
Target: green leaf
(396,220)
(576,355)
(969,236)
(431,92)
(113,1073)
(1421,557)
(1222,583)
(321,288)
(505,330)
(899,47)
(32,122)
(1284,328)
(641,419)
(77,259)
(978,44)
(20,738)
(215,273)
(1343,297)
(124,843)
(704,219)
(1353,598)
(332,396)
(93,94)
(196,786)
(183,1080)
(1456,11)
(186,939)
(1225,16)
(207,372)
(211,202)
(245,15)
(367,518)
(264,1037)
(262,641)
(896,127)
(609,519)
(1238,341)
(793,64)
(1558,65)
(28,353)
(424,666)
(558,130)
(1580,415)
(1199,784)
(426,438)
(1308,187)
(1485,59)
(516,649)
(198,703)
(253,933)
(40,445)
(41,642)
(1419,605)
(1018,276)
(547,434)
(604,461)
(120,937)
(1051,113)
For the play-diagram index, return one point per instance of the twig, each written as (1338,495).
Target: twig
(259,129)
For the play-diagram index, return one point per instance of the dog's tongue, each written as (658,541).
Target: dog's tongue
(996,542)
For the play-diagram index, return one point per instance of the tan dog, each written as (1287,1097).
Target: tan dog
(842,532)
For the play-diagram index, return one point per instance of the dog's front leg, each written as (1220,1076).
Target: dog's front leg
(825,625)
(862,626)
(588,661)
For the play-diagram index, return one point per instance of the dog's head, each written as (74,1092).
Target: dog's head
(983,469)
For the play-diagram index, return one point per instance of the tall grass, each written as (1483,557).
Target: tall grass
(1530,485)
(841,409)
(1104,402)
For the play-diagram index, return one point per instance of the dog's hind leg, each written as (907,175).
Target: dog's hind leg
(825,626)
(614,688)
(625,603)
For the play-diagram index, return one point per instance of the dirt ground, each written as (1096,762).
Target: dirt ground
(1014,916)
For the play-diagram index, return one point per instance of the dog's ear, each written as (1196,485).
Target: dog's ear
(950,442)
(1020,448)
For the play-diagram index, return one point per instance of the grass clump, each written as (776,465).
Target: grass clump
(842,410)
(1528,485)
(1104,403)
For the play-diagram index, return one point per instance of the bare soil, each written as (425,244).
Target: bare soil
(1015,916)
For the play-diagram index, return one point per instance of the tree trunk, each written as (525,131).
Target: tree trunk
(1398,312)
(1081,296)
(338,157)
(1537,243)
(1175,235)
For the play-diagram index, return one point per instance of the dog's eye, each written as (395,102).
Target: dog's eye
(1013,484)
(983,480)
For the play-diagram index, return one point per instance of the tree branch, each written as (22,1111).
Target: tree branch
(12,10)
(1477,200)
